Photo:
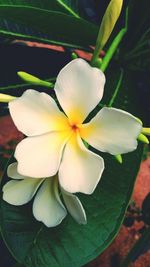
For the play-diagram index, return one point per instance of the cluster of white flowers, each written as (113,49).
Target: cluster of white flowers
(54,146)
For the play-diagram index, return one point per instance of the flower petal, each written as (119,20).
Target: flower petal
(112,130)
(13,173)
(74,206)
(40,156)
(47,206)
(36,113)
(79,88)
(20,192)
(80,169)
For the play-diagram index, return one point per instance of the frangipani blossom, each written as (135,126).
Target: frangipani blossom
(47,204)
(54,140)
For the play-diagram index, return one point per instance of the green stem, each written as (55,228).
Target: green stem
(13,86)
(114,45)
(107,25)
(23,85)
(112,49)
(116,90)
(95,55)
(46,84)
(136,249)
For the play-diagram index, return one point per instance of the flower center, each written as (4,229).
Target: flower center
(74,127)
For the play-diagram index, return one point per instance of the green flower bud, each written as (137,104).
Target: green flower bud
(74,55)
(6,98)
(146,131)
(119,158)
(143,139)
(107,25)
(32,79)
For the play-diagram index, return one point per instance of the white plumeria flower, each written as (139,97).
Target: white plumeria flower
(54,143)
(47,205)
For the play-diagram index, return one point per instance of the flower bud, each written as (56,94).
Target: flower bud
(32,79)
(107,25)
(109,20)
(6,98)
(119,158)
(146,131)
(143,139)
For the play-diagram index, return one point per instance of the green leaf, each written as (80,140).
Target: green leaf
(70,7)
(135,48)
(70,244)
(46,26)
(138,22)
(139,57)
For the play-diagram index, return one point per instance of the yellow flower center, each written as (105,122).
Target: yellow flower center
(75,127)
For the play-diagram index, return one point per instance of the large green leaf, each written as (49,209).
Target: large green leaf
(70,244)
(66,6)
(46,25)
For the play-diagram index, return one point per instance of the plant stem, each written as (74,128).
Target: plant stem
(23,85)
(112,49)
(114,45)
(107,25)
(116,90)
